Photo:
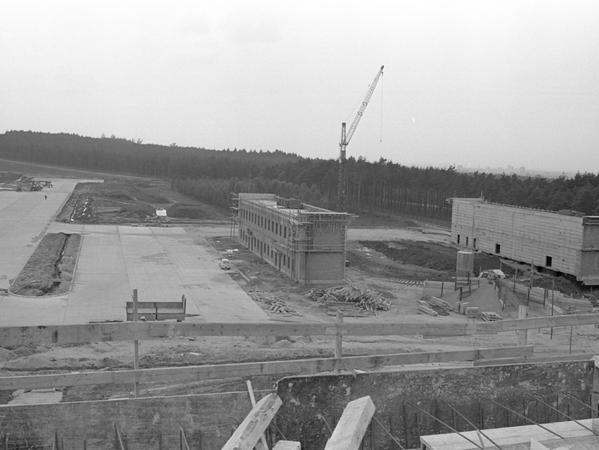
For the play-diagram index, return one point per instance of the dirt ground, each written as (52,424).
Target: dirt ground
(49,271)
(127,201)
(392,260)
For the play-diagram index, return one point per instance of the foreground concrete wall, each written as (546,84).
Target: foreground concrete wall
(146,423)
(313,404)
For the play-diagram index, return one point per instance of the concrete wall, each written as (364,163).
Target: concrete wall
(325,268)
(147,423)
(312,404)
(523,234)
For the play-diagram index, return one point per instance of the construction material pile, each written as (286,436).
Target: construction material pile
(433,306)
(368,300)
(490,316)
(274,304)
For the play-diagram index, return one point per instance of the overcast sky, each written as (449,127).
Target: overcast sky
(480,83)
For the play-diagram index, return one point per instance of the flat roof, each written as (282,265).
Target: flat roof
(270,201)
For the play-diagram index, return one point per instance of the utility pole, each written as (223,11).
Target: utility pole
(346,136)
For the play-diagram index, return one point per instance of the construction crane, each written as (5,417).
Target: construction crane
(346,137)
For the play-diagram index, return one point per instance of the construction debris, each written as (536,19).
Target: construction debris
(275,304)
(368,300)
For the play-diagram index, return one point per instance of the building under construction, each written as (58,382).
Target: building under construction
(303,241)
(559,242)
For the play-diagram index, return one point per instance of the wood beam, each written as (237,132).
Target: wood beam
(287,445)
(245,370)
(253,426)
(352,425)
(128,331)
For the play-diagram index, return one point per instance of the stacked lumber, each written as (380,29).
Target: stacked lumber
(274,304)
(424,308)
(367,299)
(439,306)
(490,316)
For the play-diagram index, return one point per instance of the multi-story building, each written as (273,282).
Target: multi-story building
(559,242)
(305,242)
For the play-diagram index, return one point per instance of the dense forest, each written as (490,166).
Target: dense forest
(382,186)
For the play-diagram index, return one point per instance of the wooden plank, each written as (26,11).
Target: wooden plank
(536,445)
(538,322)
(98,332)
(261,445)
(123,331)
(253,426)
(242,370)
(352,425)
(287,445)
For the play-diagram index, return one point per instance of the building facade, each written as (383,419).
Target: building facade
(305,242)
(558,242)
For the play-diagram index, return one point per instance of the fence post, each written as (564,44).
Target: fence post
(570,346)
(522,334)
(135,347)
(338,340)
(442,283)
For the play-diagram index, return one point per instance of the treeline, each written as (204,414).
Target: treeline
(382,186)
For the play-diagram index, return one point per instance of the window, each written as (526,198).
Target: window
(497,248)
(284,232)
(466,241)
(474,242)
(458,239)
(548,261)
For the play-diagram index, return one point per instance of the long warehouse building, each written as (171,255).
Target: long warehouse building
(558,242)
(305,242)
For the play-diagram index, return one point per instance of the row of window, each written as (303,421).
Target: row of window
(548,259)
(264,222)
(264,249)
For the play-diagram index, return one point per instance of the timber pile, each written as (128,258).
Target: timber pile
(368,299)
(423,307)
(439,306)
(490,316)
(274,304)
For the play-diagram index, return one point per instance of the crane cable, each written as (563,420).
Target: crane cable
(382,90)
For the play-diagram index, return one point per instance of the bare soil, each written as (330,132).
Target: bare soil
(126,201)
(49,270)
(418,260)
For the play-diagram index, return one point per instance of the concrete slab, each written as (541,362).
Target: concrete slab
(162,263)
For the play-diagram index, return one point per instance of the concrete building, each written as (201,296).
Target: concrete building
(305,242)
(562,243)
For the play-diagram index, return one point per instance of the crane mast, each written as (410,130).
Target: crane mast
(346,135)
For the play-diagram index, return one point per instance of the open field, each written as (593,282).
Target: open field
(127,201)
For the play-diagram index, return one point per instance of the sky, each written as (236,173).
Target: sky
(476,83)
